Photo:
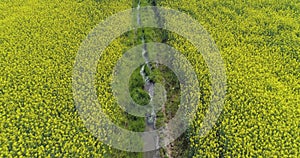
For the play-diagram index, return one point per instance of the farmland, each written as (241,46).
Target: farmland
(259,42)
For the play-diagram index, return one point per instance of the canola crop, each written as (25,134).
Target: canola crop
(258,40)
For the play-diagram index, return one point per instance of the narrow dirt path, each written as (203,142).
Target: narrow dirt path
(168,148)
(154,153)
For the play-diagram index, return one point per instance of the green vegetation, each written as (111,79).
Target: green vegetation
(136,88)
(258,40)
